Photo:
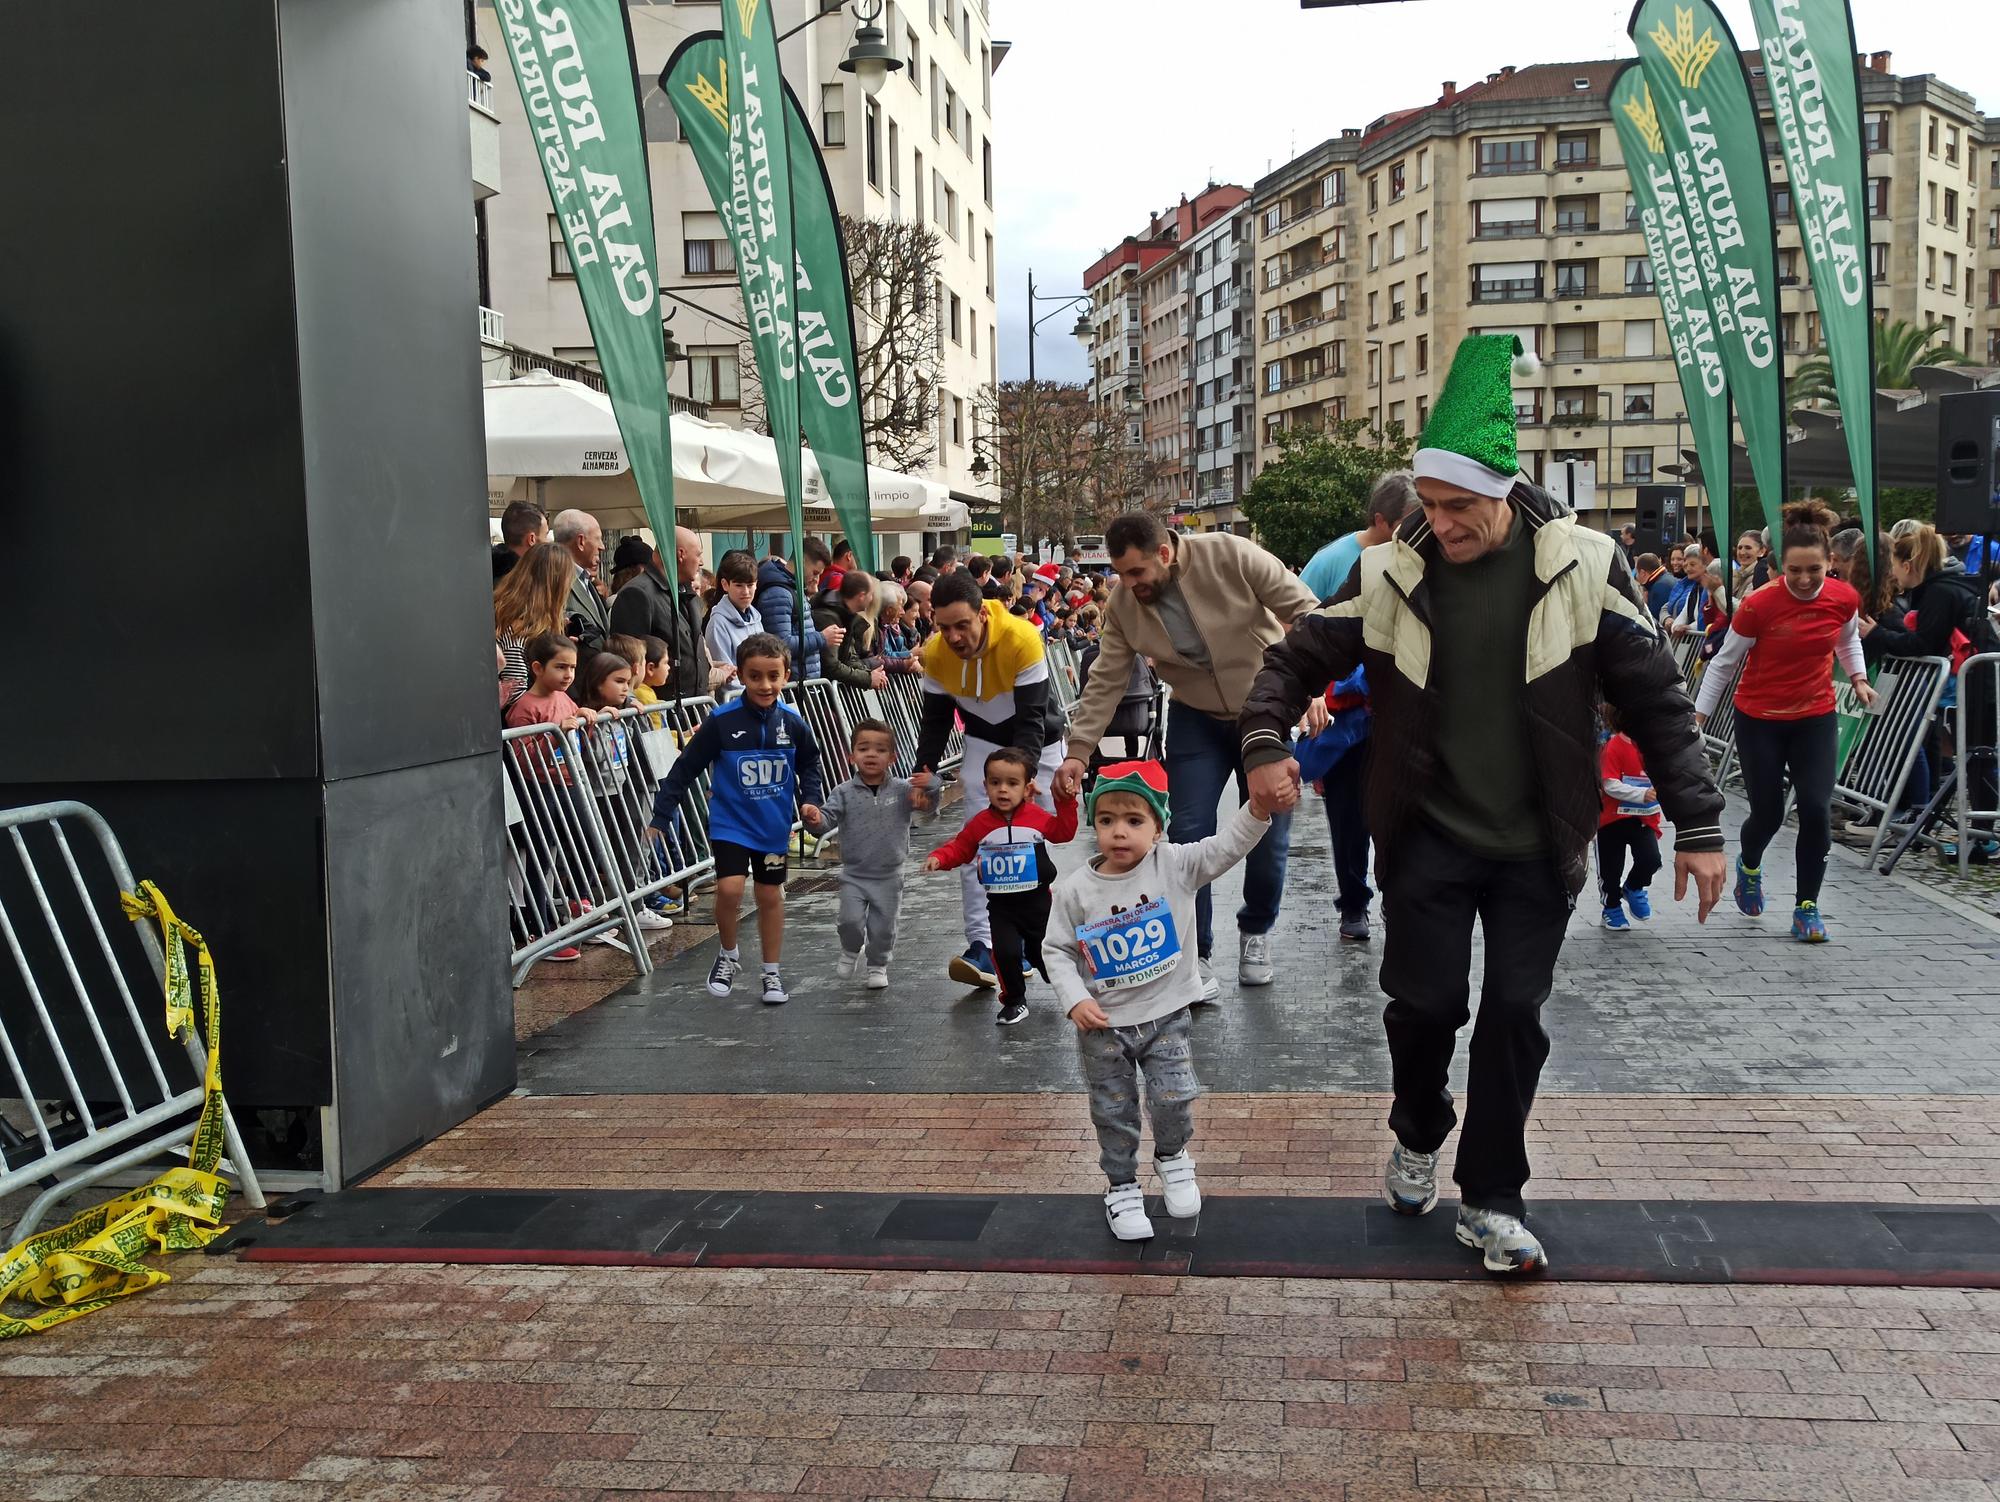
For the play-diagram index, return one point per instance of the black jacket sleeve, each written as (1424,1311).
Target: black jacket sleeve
(1031,716)
(1643,683)
(1322,647)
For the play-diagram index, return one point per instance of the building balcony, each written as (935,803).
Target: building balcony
(484,124)
(492,325)
(1524,289)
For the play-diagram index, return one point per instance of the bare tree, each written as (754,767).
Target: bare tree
(1060,468)
(892,274)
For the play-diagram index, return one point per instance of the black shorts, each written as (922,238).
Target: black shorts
(732,859)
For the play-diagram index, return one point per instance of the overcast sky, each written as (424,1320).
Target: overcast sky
(1108,109)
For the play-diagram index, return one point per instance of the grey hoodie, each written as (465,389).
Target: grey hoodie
(874,825)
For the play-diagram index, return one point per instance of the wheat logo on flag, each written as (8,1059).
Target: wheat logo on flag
(713,97)
(1690,57)
(1647,120)
(747,11)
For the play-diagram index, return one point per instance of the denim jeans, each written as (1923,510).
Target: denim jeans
(1203,753)
(1114,1059)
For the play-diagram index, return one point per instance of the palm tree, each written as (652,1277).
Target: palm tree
(1900,348)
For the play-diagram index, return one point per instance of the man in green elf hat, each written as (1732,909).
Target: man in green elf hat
(1489,624)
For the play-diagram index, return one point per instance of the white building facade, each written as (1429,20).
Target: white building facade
(921,150)
(1221,409)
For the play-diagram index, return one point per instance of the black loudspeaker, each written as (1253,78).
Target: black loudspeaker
(1968,480)
(1659,520)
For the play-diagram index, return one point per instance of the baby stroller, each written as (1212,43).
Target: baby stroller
(1134,731)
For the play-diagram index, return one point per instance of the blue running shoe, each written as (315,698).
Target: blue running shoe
(1614,918)
(1640,904)
(974,967)
(1806,925)
(1749,890)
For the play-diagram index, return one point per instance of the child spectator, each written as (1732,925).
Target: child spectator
(1628,824)
(539,765)
(1123,975)
(1007,839)
(872,812)
(633,650)
(612,745)
(735,619)
(767,769)
(546,701)
(653,677)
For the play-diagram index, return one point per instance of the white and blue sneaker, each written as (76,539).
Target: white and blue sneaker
(722,974)
(1506,1246)
(974,967)
(1410,1183)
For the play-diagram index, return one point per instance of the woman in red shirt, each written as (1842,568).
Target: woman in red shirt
(1787,636)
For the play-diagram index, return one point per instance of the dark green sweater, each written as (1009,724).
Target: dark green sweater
(1486,796)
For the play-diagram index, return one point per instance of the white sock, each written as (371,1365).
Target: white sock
(770,967)
(732,954)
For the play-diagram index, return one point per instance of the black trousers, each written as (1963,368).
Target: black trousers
(1439,888)
(1020,922)
(1769,751)
(1615,842)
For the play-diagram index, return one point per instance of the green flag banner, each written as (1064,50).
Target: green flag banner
(1810,69)
(695,80)
(579,86)
(1677,278)
(760,214)
(1708,124)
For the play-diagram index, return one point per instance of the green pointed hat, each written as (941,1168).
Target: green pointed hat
(1469,440)
(1144,780)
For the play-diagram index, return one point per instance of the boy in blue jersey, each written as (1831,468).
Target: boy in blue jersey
(766,771)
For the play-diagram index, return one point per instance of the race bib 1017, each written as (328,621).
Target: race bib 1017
(1132,947)
(1008,868)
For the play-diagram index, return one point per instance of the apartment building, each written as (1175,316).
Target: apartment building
(919,151)
(1504,208)
(1221,416)
(1140,297)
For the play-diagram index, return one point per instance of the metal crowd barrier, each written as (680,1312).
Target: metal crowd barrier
(1064,678)
(92,1095)
(1877,769)
(1719,733)
(1978,737)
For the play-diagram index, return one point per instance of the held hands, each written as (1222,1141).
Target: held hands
(1089,1017)
(810,813)
(1069,778)
(1708,868)
(1274,787)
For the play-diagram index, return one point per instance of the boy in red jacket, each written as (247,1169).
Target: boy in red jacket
(1007,839)
(1628,824)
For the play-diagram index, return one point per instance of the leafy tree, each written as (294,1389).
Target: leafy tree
(1317,488)
(1901,347)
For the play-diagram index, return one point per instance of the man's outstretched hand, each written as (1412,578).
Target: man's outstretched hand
(1069,777)
(1708,868)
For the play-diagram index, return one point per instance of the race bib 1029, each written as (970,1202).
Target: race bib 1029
(1008,868)
(1132,947)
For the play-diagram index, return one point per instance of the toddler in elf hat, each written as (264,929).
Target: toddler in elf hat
(1117,957)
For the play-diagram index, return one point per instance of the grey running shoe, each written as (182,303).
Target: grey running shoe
(1506,1245)
(1354,928)
(1410,1183)
(1209,989)
(1253,968)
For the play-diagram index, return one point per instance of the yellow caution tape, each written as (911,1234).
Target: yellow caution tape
(84,1265)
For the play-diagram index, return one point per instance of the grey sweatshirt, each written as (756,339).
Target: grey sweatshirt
(874,825)
(1171,874)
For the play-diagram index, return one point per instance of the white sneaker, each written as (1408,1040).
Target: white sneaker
(1209,989)
(1253,967)
(645,917)
(849,965)
(1505,1245)
(878,977)
(1125,1210)
(1177,1185)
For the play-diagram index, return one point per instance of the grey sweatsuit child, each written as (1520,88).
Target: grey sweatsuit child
(874,824)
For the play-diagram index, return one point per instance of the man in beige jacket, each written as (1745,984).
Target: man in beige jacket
(1203,608)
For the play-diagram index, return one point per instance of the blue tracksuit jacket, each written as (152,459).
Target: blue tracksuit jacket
(766,763)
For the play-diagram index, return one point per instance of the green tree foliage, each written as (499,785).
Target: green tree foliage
(1317,488)
(1901,347)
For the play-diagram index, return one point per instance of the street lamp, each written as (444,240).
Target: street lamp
(1082,329)
(868,57)
(669,345)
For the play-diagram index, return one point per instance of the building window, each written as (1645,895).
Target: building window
(714,375)
(1875,130)
(1950,272)
(951,109)
(1423,232)
(873,114)
(1576,278)
(1399,242)
(1396,303)
(917,187)
(1576,341)
(1423,291)
(1575,401)
(1878,198)
(1639,336)
(1274,375)
(1576,149)
(1931,135)
(1507,281)
(1274,218)
(1638,466)
(1396,183)
(986,168)
(958,422)
(1878,262)
(1503,218)
(1374,196)
(558,250)
(1423,353)
(1951,144)
(1374,252)
(915,58)
(1423,169)
(1576,214)
(1333,188)
(955,306)
(1788,268)
(1781,204)
(705,249)
(833,114)
(989,264)
(1396,357)
(1950,209)
(1374,316)
(1930,266)
(944,207)
(1639,275)
(1500,155)
(1638,402)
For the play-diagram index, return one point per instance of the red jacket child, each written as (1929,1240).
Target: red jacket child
(1628,791)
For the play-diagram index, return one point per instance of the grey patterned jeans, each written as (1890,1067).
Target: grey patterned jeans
(1113,1059)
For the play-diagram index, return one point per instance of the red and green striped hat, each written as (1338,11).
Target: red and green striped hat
(1145,780)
